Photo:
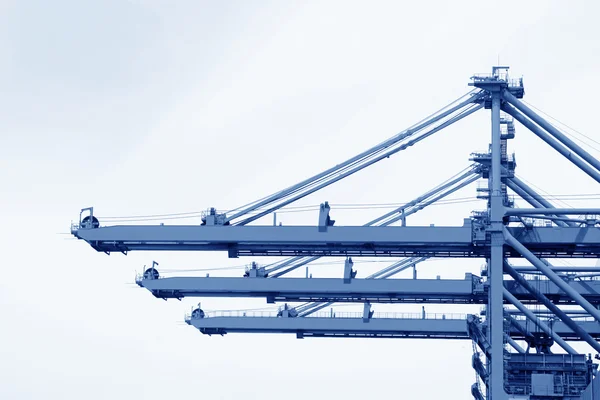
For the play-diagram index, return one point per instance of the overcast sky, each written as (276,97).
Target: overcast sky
(151,107)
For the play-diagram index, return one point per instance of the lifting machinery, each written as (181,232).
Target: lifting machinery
(521,336)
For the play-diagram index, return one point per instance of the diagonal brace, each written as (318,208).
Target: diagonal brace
(551,306)
(551,129)
(541,324)
(535,201)
(552,142)
(579,299)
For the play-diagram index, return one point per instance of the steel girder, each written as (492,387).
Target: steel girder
(328,325)
(470,290)
(487,235)
(391,241)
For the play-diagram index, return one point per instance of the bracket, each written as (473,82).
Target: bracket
(349,273)
(324,219)
(367,312)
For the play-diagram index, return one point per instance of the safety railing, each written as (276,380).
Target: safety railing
(515,82)
(391,315)
(334,314)
(549,318)
(483,76)
(540,222)
(481,154)
(576,276)
(240,313)
(498,77)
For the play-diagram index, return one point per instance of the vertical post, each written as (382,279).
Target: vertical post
(496,261)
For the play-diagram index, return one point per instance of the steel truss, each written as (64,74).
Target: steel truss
(500,235)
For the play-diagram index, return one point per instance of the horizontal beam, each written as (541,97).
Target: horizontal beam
(531,200)
(532,197)
(579,313)
(323,325)
(390,241)
(149,236)
(552,211)
(558,269)
(455,291)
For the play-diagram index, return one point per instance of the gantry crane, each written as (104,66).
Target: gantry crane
(516,307)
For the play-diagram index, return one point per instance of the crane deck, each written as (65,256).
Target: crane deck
(470,290)
(384,325)
(372,241)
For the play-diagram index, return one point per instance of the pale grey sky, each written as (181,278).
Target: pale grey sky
(140,107)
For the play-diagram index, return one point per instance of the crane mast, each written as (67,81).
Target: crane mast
(523,333)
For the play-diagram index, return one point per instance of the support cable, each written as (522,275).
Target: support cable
(471,96)
(312,307)
(352,166)
(573,130)
(551,129)
(552,142)
(532,200)
(399,269)
(472,174)
(417,208)
(555,198)
(459,177)
(399,264)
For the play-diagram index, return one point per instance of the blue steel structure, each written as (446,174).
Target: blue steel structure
(516,307)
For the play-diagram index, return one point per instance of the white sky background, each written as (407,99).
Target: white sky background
(150,107)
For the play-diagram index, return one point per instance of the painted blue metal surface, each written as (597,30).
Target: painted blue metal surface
(565,152)
(498,233)
(552,130)
(549,376)
(400,213)
(378,241)
(470,290)
(362,160)
(393,325)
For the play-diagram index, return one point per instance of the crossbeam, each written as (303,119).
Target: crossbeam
(323,325)
(470,290)
(381,241)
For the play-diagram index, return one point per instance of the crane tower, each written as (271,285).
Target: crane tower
(523,333)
